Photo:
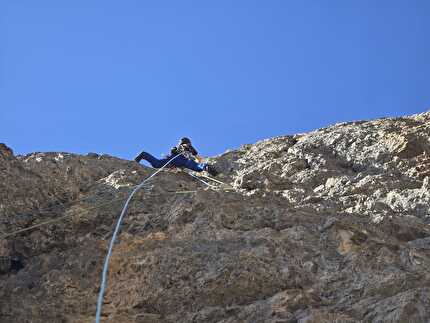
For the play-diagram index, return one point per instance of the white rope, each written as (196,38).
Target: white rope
(215,180)
(115,233)
(200,180)
(215,187)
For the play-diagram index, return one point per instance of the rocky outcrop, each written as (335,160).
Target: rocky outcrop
(376,168)
(327,226)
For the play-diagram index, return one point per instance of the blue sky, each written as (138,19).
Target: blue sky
(120,76)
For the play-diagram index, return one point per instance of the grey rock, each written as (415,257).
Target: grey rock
(326,226)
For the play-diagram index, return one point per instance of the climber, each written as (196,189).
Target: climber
(189,158)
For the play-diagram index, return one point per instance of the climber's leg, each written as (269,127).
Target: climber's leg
(155,162)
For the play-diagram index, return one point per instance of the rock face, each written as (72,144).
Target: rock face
(327,226)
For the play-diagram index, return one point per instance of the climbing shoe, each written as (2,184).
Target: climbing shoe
(139,157)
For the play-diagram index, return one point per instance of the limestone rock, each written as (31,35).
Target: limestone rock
(326,226)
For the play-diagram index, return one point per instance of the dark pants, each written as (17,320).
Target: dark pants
(180,161)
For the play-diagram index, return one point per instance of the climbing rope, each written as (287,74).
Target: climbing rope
(74,202)
(216,181)
(98,206)
(115,233)
(63,206)
(200,180)
(224,186)
(117,227)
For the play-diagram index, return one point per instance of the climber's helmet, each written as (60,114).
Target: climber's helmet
(185,141)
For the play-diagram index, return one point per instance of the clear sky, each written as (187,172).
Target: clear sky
(120,76)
